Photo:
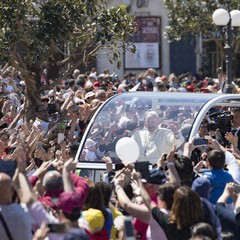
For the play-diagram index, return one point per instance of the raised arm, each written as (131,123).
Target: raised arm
(173,174)
(146,198)
(25,190)
(139,211)
(68,167)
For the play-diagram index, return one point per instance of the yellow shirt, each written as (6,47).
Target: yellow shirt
(115,213)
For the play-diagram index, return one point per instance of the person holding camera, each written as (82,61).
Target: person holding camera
(200,150)
(160,190)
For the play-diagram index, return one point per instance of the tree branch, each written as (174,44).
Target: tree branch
(65,61)
(80,61)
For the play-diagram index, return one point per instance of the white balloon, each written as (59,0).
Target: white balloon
(127,149)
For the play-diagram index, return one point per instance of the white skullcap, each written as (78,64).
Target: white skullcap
(90,143)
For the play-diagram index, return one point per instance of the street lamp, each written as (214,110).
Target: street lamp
(227,19)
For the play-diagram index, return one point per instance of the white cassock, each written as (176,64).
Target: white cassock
(153,144)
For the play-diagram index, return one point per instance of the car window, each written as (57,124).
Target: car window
(124,114)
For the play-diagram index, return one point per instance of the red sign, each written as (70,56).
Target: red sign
(148,29)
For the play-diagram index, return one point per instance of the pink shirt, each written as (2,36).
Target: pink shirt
(154,231)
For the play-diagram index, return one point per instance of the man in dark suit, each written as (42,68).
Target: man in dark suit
(236,123)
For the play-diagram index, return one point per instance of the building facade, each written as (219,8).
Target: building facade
(153,48)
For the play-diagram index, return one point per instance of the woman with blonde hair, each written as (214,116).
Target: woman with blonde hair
(173,81)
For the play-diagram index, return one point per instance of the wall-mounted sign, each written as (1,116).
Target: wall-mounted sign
(147,42)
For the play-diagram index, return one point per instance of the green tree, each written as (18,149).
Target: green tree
(194,16)
(33,36)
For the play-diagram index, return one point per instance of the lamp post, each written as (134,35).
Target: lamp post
(228,20)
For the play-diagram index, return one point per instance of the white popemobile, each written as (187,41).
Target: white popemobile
(112,129)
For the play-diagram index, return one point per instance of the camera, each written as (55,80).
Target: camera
(200,142)
(221,121)
(56,227)
(128,228)
(143,168)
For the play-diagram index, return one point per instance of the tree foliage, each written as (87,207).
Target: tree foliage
(34,35)
(193,16)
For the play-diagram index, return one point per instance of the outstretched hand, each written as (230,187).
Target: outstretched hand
(230,189)
(70,165)
(171,156)
(231,138)
(42,170)
(173,128)
(42,232)
(120,179)
(213,143)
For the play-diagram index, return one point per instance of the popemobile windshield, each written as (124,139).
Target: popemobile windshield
(123,115)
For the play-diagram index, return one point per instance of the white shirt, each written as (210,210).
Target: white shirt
(9,88)
(43,125)
(233,166)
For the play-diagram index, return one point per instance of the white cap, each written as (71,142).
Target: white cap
(210,87)
(22,83)
(88,84)
(89,94)
(78,100)
(122,86)
(93,75)
(181,89)
(158,80)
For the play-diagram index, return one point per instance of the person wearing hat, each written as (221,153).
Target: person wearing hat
(96,85)
(67,207)
(159,187)
(91,148)
(142,221)
(153,141)
(160,86)
(89,96)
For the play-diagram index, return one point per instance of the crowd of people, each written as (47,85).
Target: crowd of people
(190,191)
